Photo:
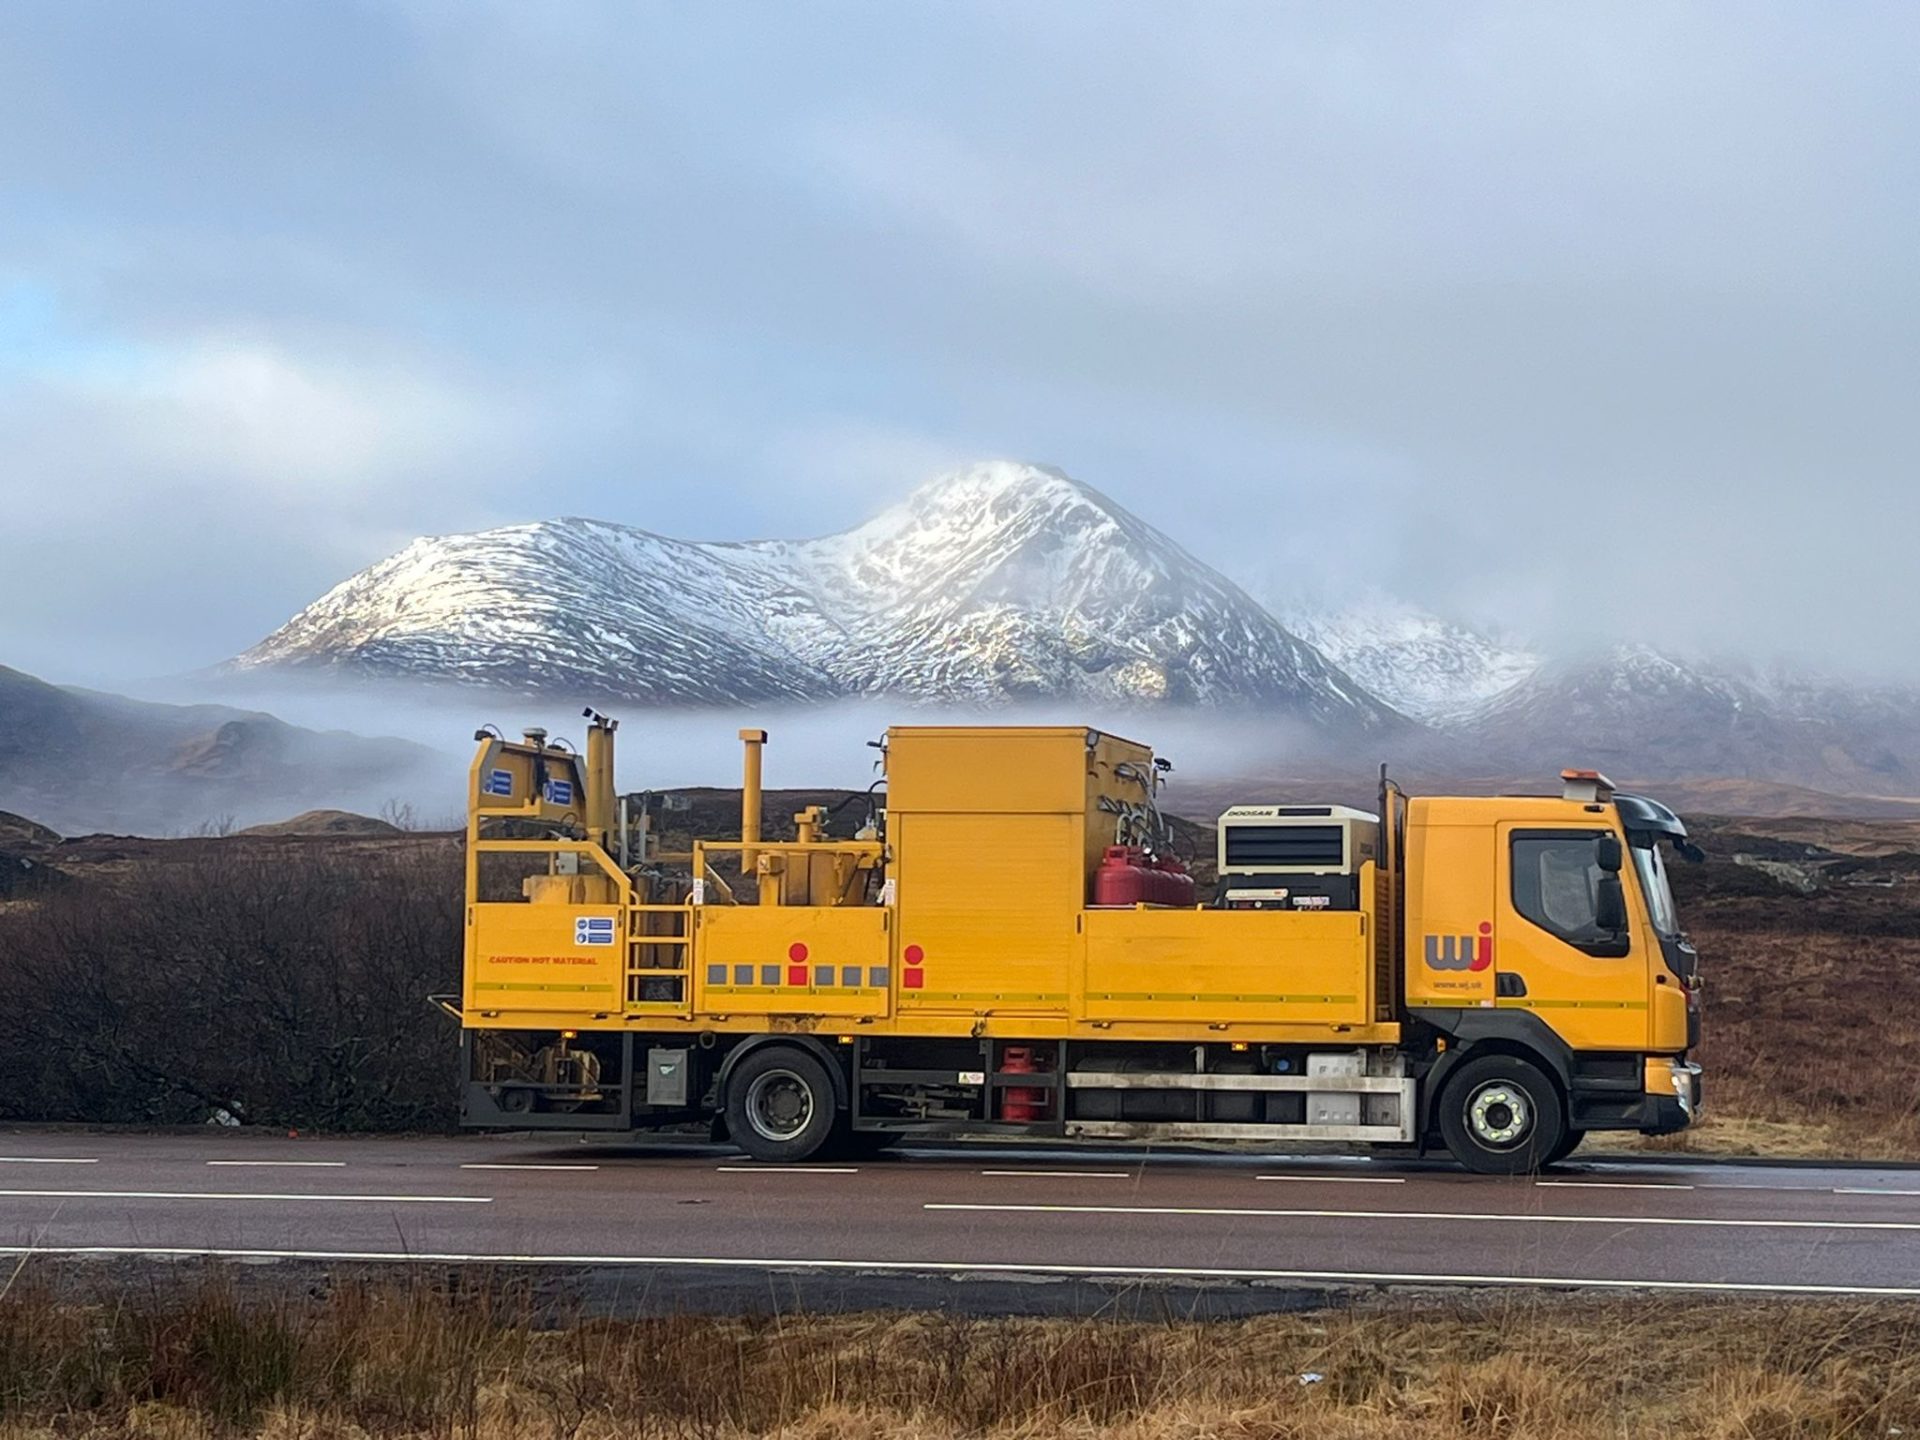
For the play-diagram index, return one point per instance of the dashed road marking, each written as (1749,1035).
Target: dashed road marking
(508,1165)
(1869,1190)
(788,1169)
(1063,1174)
(1338,1179)
(285,1164)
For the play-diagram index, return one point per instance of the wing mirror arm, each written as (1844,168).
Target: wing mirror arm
(1610,905)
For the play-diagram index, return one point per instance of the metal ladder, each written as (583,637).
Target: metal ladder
(660,960)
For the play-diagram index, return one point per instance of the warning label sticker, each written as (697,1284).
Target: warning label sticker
(593,930)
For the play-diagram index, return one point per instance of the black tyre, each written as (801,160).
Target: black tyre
(1569,1143)
(780,1105)
(1502,1116)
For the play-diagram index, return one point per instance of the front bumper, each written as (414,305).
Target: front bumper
(1673,1095)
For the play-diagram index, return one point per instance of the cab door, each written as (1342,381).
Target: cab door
(1551,954)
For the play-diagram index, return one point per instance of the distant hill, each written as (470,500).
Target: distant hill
(80,760)
(325,822)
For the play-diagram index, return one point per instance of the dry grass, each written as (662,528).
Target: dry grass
(410,1360)
(1719,1134)
(1811,1045)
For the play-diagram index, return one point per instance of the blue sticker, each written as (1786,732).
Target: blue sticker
(499,782)
(593,930)
(559,792)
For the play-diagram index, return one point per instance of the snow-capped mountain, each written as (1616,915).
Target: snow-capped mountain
(1422,665)
(998,582)
(1637,711)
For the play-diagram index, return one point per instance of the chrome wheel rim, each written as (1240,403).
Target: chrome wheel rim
(779,1105)
(1499,1115)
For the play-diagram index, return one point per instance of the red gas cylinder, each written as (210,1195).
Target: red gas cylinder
(1149,877)
(1122,878)
(1176,884)
(1021,1103)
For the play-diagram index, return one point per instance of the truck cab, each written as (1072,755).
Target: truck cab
(1543,930)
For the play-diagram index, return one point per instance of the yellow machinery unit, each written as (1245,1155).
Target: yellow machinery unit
(1006,942)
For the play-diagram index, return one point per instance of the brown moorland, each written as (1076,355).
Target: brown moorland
(410,1356)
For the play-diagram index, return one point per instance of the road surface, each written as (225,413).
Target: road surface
(1011,1215)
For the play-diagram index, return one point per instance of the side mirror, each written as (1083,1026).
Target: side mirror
(1607,854)
(1610,903)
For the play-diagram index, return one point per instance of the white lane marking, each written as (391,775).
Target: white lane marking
(43,1160)
(969,1267)
(504,1165)
(1338,1179)
(1869,1190)
(788,1169)
(290,1164)
(1241,1211)
(250,1195)
(1065,1174)
(1618,1185)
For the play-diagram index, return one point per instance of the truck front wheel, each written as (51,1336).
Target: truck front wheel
(780,1105)
(1501,1116)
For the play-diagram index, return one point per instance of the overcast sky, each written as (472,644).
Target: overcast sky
(1584,320)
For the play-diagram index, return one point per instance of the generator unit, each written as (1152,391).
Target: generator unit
(1294,857)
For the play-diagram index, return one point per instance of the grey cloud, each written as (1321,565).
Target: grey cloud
(1577,322)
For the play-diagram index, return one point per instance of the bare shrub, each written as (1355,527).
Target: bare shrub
(282,989)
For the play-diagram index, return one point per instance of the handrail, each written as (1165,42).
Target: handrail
(606,863)
(798,847)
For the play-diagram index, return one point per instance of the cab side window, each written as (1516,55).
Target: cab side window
(1556,885)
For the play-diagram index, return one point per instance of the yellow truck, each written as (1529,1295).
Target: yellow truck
(1003,943)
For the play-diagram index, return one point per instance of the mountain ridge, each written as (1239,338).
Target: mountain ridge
(994,584)
(1002,583)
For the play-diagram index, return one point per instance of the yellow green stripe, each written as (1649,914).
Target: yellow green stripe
(1038,996)
(1223,999)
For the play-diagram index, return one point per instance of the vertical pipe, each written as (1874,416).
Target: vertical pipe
(597,806)
(752,741)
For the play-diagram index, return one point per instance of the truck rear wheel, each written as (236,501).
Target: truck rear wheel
(1501,1116)
(780,1105)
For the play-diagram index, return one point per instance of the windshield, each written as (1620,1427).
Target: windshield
(1653,884)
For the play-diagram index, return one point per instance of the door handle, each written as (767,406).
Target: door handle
(1509,985)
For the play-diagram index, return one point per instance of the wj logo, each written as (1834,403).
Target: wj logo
(1461,952)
